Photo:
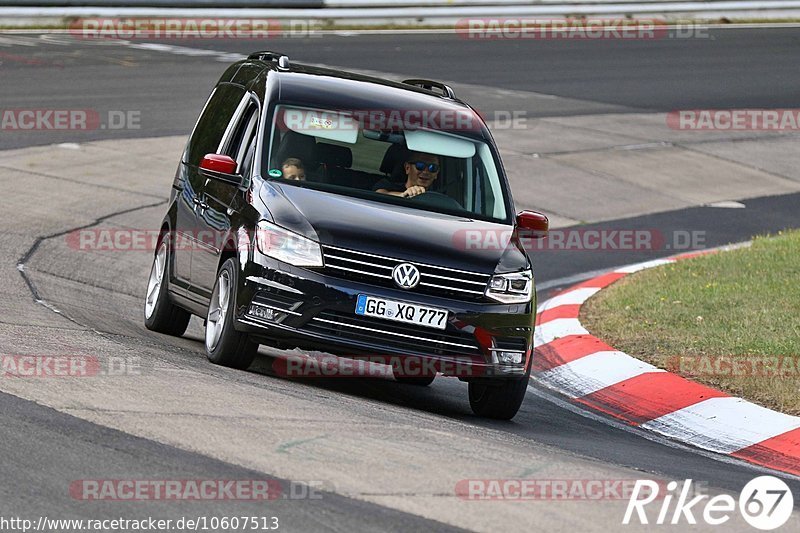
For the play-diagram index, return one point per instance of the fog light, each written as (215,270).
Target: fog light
(509,358)
(262,312)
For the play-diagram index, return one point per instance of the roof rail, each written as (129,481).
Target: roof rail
(267,55)
(430,85)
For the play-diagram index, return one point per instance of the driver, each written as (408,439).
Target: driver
(421,171)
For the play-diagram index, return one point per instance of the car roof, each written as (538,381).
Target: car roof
(325,88)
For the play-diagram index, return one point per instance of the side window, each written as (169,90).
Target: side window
(213,123)
(488,195)
(453,180)
(247,147)
(242,135)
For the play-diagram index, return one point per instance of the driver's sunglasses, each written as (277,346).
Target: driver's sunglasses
(433,168)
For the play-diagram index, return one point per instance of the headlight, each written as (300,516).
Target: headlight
(515,288)
(287,246)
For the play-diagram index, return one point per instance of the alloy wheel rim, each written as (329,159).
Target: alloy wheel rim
(217,311)
(155,281)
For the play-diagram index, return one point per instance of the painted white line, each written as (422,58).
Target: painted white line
(69,146)
(555,329)
(227,57)
(594,372)
(723,425)
(727,205)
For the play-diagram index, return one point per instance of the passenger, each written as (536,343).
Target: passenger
(421,171)
(293,169)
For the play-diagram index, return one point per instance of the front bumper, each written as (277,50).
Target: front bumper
(295,307)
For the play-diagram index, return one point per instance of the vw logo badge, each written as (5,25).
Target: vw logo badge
(406,276)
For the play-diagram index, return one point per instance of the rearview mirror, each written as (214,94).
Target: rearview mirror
(534,224)
(222,164)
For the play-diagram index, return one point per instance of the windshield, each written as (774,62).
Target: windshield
(419,168)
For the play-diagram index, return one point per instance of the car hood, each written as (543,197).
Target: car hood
(393,231)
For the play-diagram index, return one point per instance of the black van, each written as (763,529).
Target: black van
(367,218)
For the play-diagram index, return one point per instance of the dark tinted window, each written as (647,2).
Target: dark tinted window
(213,122)
(242,132)
(245,146)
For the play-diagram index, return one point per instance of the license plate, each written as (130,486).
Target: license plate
(420,315)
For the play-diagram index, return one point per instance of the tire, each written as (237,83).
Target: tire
(160,314)
(224,345)
(500,401)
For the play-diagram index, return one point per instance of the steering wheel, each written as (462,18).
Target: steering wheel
(436,199)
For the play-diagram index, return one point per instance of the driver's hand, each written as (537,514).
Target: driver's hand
(414,191)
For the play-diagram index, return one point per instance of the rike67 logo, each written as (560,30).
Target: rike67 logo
(766,503)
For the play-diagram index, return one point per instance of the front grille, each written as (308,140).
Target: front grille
(410,338)
(377,270)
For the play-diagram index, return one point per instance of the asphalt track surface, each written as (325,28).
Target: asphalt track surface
(734,68)
(726,69)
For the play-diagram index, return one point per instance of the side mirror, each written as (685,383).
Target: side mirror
(534,225)
(222,164)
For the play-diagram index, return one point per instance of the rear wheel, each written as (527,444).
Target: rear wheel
(501,400)
(224,345)
(160,314)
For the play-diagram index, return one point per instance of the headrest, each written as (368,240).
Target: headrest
(334,156)
(294,144)
(395,154)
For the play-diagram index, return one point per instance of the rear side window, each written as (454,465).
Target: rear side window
(242,132)
(243,146)
(213,122)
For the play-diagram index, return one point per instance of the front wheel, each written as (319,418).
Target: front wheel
(500,401)
(224,345)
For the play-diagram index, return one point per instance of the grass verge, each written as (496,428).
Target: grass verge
(729,320)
